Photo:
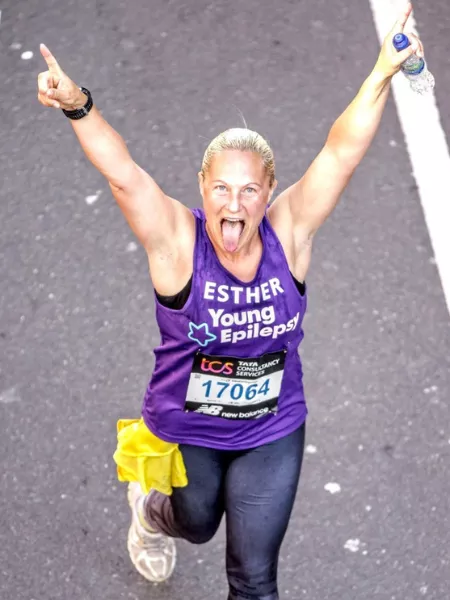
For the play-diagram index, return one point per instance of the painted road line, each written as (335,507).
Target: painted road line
(426,144)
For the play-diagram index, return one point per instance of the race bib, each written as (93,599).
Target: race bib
(235,388)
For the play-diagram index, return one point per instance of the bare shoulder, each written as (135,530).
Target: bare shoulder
(171,262)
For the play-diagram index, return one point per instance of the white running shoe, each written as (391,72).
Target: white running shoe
(153,554)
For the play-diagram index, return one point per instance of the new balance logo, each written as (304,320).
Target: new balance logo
(205,409)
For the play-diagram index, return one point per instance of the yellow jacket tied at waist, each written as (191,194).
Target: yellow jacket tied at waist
(143,457)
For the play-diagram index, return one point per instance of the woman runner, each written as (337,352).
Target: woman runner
(226,391)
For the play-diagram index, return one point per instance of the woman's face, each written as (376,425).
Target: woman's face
(235,193)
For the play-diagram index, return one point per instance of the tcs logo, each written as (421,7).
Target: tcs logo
(216,366)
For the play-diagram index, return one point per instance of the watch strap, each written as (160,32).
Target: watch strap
(79,113)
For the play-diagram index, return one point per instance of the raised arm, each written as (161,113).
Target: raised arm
(304,206)
(155,218)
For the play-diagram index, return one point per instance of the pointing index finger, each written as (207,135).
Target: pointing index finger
(401,22)
(50,60)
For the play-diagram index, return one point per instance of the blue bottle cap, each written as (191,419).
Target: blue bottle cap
(400,41)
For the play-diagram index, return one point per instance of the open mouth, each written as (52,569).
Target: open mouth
(231,232)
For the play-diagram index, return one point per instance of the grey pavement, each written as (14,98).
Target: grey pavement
(77,313)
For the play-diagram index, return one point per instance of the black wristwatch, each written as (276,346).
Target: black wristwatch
(79,113)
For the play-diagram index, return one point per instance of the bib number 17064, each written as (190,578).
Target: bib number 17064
(235,391)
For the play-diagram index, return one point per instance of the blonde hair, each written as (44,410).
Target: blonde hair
(243,140)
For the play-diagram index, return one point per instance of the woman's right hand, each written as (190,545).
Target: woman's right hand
(55,89)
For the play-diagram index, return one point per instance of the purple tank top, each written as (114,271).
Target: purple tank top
(227,372)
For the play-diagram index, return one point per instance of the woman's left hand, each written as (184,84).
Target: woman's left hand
(389,60)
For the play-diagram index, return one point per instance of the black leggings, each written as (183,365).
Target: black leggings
(256,489)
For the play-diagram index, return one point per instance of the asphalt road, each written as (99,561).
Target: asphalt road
(77,315)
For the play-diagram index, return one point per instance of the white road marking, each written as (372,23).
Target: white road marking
(426,144)
(352,545)
(132,247)
(433,388)
(333,488)
(93,198)
(310,449)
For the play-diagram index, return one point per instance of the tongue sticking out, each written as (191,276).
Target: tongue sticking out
(231,232)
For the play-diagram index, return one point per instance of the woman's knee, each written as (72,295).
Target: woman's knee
(198,521)
(200,532)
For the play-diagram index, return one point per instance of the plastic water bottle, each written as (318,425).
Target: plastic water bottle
(414,68)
